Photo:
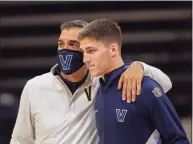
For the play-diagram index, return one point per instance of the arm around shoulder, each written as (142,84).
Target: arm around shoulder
(158,76)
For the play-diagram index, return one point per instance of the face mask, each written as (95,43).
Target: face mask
(69,61)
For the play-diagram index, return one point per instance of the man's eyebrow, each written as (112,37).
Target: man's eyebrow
(60,40)
(89,47)
(74,41)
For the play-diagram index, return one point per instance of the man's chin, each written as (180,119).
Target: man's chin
(94,74)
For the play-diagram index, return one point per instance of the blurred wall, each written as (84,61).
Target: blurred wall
(158,33)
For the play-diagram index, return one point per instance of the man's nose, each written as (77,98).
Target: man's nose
(86,58)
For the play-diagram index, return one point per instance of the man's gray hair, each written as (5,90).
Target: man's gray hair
(74,23)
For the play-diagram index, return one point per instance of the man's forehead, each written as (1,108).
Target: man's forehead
(70,34)
(89,43)
(68,38)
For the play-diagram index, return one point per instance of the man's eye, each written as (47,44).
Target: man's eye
(90,51)
(74,45)
(71,44)
(60,44)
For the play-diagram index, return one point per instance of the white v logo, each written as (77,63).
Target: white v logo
(121,114)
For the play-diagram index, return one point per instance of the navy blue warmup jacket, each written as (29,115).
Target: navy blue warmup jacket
(151,119)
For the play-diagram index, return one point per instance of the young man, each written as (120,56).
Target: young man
(58,107)
(150,119)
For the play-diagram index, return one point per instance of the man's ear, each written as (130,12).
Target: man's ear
(114,49)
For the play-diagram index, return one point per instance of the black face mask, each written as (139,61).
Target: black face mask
(69,61)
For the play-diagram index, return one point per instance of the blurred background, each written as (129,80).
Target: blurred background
(158,33)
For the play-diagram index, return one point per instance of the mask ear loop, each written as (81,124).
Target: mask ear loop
(88,93)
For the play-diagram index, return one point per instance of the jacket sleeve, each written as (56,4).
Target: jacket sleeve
(23,132)
(161,113)
(157,75)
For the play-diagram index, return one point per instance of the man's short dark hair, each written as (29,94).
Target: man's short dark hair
(103,30)
(72,24)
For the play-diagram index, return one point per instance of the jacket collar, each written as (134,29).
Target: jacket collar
(87,83)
